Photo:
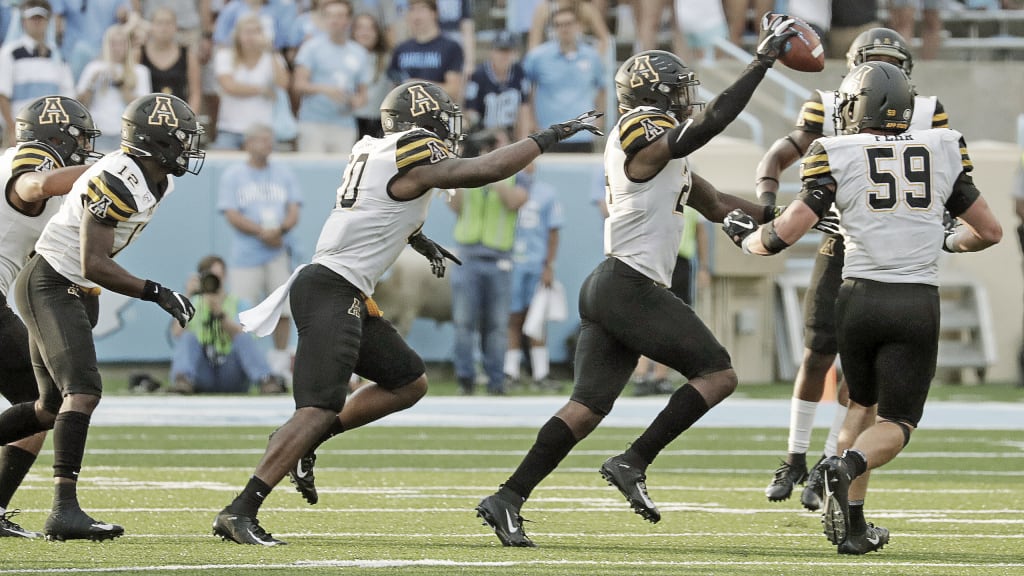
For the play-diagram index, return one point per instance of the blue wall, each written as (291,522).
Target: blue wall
(188,226)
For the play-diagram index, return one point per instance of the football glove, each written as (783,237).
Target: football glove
(177,305)
(829,223)
(738,225)
(948,229)
(558,132)
(776,30)
(433,252)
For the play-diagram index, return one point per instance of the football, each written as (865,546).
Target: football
(804,51)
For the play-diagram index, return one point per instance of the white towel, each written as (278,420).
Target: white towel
(262,318)
(548,305)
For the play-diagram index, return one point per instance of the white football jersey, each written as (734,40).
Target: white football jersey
(819,115)
(367,229)
(113,191)
(891,192)
(645,219)
(19,232)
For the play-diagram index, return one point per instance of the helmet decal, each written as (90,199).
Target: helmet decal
(163,113)
(642,71)
(53,112)
(422,102)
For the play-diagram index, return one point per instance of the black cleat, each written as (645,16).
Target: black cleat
(632,483)
(302,476)
(10,529)
(74,524)
(815,489)
(786,477)
(836,517)
(874,538)
(242,530)
(503,517)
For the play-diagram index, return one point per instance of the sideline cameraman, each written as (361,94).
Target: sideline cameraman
(213,354)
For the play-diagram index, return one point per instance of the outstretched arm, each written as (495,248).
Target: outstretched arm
(715,205)
(783,153)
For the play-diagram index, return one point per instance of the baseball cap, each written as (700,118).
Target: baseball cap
(35,11)
(504,40)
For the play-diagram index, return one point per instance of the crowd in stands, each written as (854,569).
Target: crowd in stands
(316,70)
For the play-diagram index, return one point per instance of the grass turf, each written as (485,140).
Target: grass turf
(400,501)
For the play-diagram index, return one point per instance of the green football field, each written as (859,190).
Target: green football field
(400,501)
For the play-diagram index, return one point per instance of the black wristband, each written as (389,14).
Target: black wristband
(150,291)
(545,139)
(769,214)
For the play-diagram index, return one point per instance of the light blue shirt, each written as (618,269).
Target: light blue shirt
(346,65)
(564,85)
(260,195)
(541,214)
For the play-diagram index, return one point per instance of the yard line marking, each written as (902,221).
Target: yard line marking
(637,535)
(488,452)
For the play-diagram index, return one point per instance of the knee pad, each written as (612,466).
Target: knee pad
(904,427)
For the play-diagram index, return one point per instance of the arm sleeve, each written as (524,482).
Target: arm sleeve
(108,200)
(818,190)
(964,191)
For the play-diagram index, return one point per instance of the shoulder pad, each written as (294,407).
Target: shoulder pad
(940,119)
(109,200)
(35,157)
(815,163)
(418,147)
(640,127)
(812,114)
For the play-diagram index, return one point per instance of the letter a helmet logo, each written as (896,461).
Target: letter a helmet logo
(163,113)
(53,112)
(422,101)
(642,71)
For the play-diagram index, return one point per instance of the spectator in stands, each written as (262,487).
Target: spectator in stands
(497,92)
(261,200)
(366,30)
(110,82)
(740,13)
(173,66)
(189,16)
(213,354)
(903,17)
(31,68)
(849,19)
(309,23)
(519,16)
(1018,200)
(455,17)
(543,27)
(84,22)
(428,54)
(567,78)
(484,235)
(390,16)
(277,19)
(248,74)
(533,265)
(331,77)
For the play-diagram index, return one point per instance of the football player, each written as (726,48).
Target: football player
(380,207)
(54,140)
(817,119)
(58,291)
(626,308)
(892,188)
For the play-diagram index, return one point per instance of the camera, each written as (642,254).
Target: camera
(209,282)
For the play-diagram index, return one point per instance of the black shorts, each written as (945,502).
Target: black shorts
(820,300)
(17,380)
(60,317)
(889,341)
(337,338)
(624,314)
(682,280)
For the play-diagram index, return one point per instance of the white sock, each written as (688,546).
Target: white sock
(280,361)
(801,422)
(832,443)
(539,361)
(513,358)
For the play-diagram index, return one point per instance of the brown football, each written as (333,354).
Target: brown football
(804,51)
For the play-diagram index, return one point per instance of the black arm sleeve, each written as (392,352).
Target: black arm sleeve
(964,194)
(718,115)
(818,193)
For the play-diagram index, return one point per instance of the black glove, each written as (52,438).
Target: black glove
(175,304)
(776,30)
(948,229)
(738,225)
(433,252)
(829,223)
(558,132)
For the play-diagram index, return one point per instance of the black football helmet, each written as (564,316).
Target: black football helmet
(421,104)
(163,127)
(875,95)
(659,79)
(61,122)
(879,42)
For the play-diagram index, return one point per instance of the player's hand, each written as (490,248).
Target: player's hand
(738,225)
(558,132)
(433,252)
(177,305)
(829,223)
(948,229)
(776,29)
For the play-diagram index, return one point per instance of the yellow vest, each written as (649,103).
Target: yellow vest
(483,219)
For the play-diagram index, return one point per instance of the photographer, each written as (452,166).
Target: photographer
(213,354)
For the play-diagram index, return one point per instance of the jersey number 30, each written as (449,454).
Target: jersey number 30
(349,189)
(912,176)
